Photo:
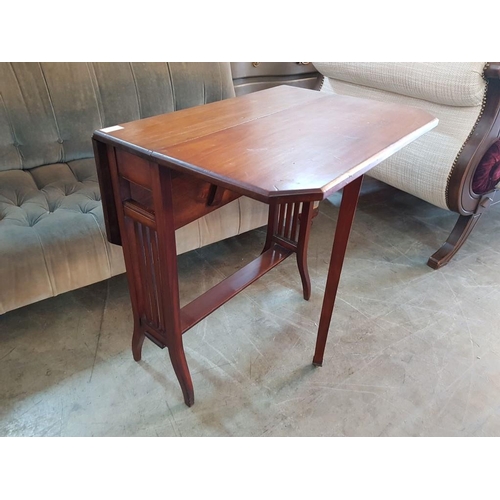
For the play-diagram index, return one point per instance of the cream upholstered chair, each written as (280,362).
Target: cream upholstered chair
(456,166)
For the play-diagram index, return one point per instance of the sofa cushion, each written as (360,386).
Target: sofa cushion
(52,232)
(452,84)
(53,237)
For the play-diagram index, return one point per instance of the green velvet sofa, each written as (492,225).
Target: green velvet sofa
(52,233)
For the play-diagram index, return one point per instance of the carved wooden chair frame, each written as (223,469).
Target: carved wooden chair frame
(460,196)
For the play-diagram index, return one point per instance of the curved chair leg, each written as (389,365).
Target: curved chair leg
(457,238)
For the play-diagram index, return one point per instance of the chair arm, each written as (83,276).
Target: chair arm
(461,197)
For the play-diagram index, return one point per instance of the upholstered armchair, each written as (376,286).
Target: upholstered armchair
(457,165)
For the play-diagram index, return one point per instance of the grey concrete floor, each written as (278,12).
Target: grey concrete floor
(411,351)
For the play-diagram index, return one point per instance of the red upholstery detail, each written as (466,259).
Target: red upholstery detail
(487,174)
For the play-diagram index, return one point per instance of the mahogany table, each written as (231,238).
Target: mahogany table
(288,147)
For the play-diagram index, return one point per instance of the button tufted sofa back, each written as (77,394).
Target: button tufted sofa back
(48,111)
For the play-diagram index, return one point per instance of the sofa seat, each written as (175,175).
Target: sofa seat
(54,238)
(53,233)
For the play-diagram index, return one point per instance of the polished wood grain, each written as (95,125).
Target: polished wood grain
(162,131)
(285,142)
(285,146)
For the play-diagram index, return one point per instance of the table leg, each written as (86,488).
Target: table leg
(344,223)
(151,261)
(168,277)
(289,225)
(302,244)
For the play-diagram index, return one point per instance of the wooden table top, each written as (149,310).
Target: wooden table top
(284,142)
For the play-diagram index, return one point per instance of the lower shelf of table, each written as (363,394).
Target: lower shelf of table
(208,302)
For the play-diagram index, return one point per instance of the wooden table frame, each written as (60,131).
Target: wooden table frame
(148,194)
